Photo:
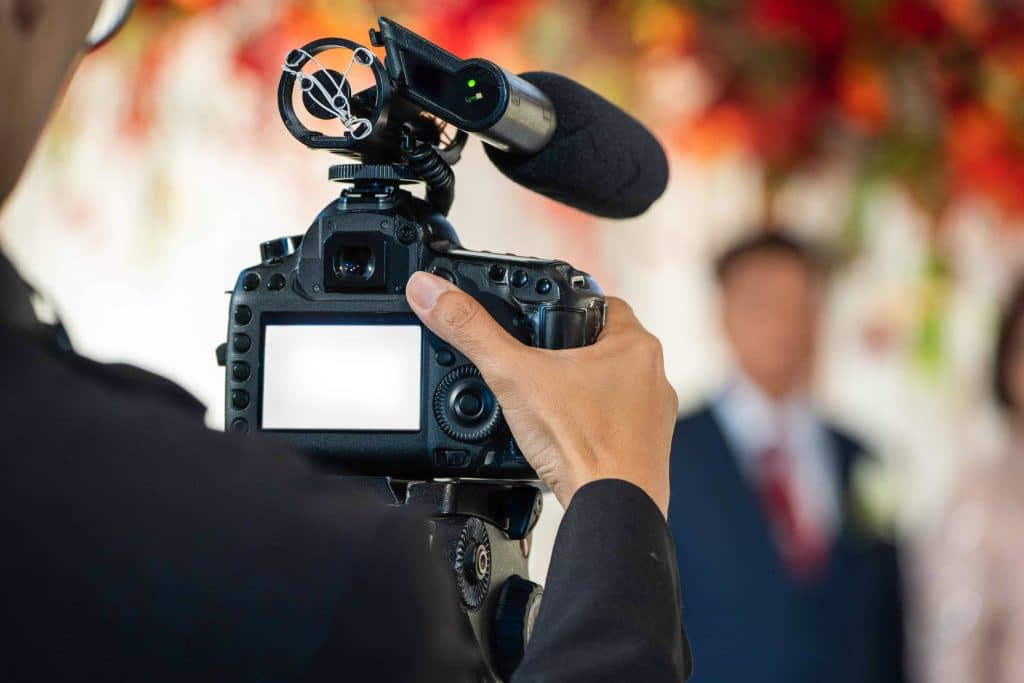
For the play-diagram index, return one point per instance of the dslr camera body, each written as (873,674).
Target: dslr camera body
(322,351)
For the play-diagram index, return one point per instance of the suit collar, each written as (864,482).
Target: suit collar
(754,424)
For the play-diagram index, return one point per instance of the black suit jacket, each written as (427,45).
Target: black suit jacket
(748,621)
(139,546)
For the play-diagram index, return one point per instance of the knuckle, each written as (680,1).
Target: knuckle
(617,309)
(657,348)
(622,309)
(650,345)
(673,399)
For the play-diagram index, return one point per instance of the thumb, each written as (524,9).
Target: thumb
(461,321)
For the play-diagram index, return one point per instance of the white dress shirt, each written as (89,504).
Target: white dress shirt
(754,423)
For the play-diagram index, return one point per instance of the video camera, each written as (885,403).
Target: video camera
(322,350)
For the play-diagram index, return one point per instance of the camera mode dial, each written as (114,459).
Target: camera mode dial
(464,407)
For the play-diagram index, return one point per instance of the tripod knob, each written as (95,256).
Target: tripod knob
(517,610)
(472,563)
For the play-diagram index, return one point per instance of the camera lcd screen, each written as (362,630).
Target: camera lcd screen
(342,377)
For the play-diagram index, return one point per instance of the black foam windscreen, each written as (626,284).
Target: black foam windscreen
(600,159)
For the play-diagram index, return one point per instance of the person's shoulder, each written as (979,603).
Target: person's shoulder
(117,428)
(53,381)
(192,533)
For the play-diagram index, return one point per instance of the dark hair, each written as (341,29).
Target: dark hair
(769,242)
(1006,339)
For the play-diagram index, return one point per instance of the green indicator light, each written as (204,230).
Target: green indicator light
(471,83)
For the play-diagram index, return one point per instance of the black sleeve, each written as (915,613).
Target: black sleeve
(612,606)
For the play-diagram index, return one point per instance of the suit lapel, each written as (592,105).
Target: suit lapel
(736,500)
(844,545)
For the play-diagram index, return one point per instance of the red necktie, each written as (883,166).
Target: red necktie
(802,546)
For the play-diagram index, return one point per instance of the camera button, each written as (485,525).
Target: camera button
(444,357)
(445,273)
(543,286)
(469,405)
(240,399)
(243,315)
(407,234)
(250,282)
(241,343)
(447,458)
(520,278)
(239,425)
(240,370)
(276,282)
(496,272)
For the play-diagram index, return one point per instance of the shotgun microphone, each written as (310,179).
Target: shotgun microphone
(599,159)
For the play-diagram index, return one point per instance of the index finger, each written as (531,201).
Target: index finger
(619,319)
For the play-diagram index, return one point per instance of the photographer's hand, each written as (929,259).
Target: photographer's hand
(604,411)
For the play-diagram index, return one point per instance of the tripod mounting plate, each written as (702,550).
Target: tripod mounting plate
(514,508)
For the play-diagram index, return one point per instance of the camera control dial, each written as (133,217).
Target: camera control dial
(464,407)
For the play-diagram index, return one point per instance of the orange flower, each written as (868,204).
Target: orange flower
(970,16)
(723,128)
(984,158)
(863,97)
(663,25)
(195,5)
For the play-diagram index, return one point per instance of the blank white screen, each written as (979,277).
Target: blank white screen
(343,377)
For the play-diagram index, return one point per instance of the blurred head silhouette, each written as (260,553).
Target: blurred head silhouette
(41,41)
(771,287)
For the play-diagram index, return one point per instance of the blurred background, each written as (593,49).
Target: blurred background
(890,132)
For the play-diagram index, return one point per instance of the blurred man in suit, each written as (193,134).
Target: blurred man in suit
(781,586)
